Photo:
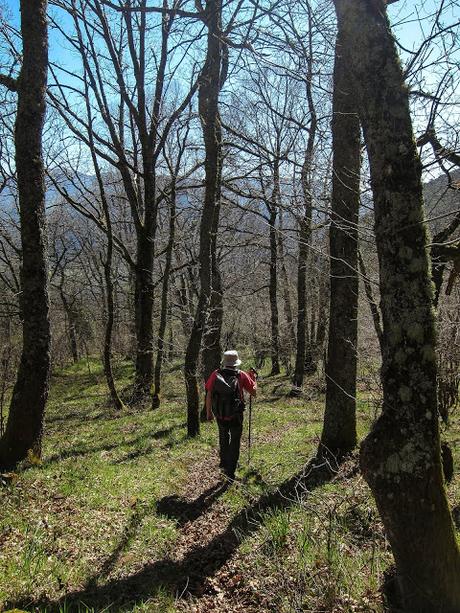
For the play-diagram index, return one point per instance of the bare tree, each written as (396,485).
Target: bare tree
(211,80)
(339,430)
(24,428)
(400,458)
(129,134)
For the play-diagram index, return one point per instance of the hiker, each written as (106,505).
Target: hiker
(225,401)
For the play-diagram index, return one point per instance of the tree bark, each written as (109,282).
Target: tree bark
(290,338)
(107,355)
(108,294)
(143,295)
(305,225)
(370,299)
(24,428)
(273,294)
(69,311)
(208,103)
(164,298)
(339,428)
(212,347)
(400,458)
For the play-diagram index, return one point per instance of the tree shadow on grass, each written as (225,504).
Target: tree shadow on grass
(188,576)
(139,453)
(83,450)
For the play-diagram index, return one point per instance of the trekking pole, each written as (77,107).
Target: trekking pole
(249,432)
(250,419)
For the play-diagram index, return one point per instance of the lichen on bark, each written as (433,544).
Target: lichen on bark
(400,458)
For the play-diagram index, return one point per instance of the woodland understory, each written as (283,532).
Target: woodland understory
(182,178)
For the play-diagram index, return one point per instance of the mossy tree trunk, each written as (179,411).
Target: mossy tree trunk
(24,428)
(400,458)
(339,428)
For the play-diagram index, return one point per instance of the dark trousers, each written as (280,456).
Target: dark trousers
(229,444)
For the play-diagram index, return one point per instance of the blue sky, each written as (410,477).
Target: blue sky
(403,15)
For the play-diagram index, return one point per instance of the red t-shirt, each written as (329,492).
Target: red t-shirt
(245,379)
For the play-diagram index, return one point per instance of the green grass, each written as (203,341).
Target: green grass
(87,517)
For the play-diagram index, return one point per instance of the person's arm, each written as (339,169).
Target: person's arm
(208,402)
(250,383)
(209,414)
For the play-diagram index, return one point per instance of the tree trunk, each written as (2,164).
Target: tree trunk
(339,428)
(302,355)
(108,292)
(143,317)
(304,240)
(208,103)
(116,400)
(68,310)
(290,337)
(25,421)
(184,308)
(370,299)
(164,299)
(400,458)
(212,348)
(273,294)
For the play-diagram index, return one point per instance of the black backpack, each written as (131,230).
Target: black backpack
(226,395)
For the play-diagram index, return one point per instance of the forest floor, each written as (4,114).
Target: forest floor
(125,513)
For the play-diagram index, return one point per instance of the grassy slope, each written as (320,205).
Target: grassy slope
(99,525)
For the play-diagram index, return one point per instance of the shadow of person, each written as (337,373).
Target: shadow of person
(183,510)
(189,575)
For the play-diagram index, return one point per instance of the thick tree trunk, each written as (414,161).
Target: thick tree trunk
(25,421)
(212,348)
(339,428)
(208,102)
(143,317)
(400,458)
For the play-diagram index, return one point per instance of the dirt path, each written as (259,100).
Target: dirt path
(203,520)
(214,575)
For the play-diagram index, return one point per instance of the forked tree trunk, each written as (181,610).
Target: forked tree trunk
(339,428)
(400,458)
(24,428)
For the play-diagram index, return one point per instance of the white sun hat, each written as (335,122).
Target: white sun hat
(231,359)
